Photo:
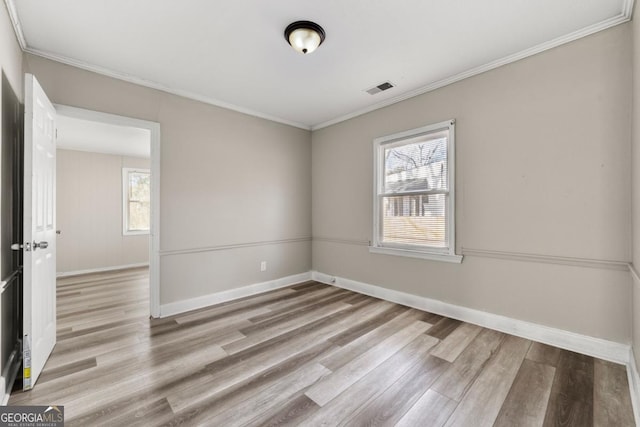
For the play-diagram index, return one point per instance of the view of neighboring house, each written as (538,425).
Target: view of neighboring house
(415,172)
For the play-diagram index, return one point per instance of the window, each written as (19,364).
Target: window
(136,194)
(414,201)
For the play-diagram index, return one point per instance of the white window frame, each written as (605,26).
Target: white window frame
(414,251)
(125,202)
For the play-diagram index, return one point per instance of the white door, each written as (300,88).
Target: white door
(39,248)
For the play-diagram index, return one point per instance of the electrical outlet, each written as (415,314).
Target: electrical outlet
(263,266)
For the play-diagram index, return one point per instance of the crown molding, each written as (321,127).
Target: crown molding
(158,86)
(625,16)
(15,21)
(627,8)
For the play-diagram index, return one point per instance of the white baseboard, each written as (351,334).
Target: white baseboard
(224,296)
(596,347)
(100,270)
(634,385)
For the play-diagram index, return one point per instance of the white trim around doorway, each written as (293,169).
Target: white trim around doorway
(154,235)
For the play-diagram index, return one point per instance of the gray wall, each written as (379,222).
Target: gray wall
(89,212)
(235,189)
(543,184)
(635,198)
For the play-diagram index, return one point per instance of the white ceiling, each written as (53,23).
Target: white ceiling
(84,135)
(233,53)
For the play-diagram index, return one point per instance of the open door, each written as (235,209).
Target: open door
(39,246)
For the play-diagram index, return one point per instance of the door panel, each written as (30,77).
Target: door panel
(39,323)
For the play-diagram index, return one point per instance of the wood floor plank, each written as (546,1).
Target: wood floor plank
(612,403)
(526,403)
(304,285)
(219,333)
(65,370)
(244,390)
(101,320)
(374,383)
(143,414)
(356,298)
(356,331)
(79,304)
(306,300)
(290,413)
(101,309)
(433,410)
(274,396)
(391,405)
(481,404)
(259,335)
(234,313)
(312,286)
(543,353)
(78,353)
(325,390)
(431,318)
(443,328)
(175,331)
(96,338)
(234,307)
(571,399)
(300,308)
(460,376)
(372,338)
(90,320)
(68,333)
(450,347)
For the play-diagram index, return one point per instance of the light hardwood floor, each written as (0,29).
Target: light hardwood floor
(307,355)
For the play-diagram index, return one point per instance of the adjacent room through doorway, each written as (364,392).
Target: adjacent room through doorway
(103,203)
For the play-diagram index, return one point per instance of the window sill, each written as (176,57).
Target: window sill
(456,259)
(135,233)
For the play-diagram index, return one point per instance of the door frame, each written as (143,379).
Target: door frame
(154,233)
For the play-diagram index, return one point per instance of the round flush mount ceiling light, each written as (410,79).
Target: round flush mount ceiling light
(304,36)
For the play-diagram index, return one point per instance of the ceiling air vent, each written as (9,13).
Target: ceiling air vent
(380,88)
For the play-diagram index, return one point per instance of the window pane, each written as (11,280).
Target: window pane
(416,220)
(139,186)
(138,202)
(139,213)
(417,166)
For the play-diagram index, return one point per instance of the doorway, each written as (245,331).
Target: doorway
(11,232)
(132,171)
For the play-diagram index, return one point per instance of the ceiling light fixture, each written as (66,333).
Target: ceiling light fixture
(304,36)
